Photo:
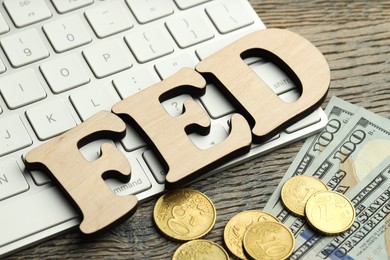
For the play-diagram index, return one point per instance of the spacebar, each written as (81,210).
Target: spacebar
(29,215)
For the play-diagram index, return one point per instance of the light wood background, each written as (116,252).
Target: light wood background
(354,36)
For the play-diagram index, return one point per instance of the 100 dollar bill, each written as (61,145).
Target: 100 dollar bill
(361,145)
(339,112)
(369,236)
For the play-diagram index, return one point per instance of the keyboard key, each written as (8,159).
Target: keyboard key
(88,101)
(12,181)
(154,166)
(64,73)
(50,119)
(190,29)
(184,4)
(3,25)
(21,88)
(24,47)
(92,150)
(2,67)
(149,10)
(107,58)
(138,182)
(149,43)
(109,19)
(13,135)
(132,140)
(215,109)
(40,178)
(217,134)
(64,6)
(274,77)
(25,12)
(170,66)
(34,213)
(67,33)
(130,82)
(228,16)
(174,106)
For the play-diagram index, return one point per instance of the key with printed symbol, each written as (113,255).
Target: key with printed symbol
(149,10)
(13,135)
(170,66)
(129,82)
(274,77)
(64,73)
(50,119)
(107,58)
(109,19)
(174,106)
(67,33)
(138,181)
(26,12)
(21,88)
(67,6)
(149,43)
(24,47)
(190,29)
(12,181)
(228,16)
(88,101)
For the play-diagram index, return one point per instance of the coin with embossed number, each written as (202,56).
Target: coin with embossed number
(200,249)
(268,241)
(184,214)
(297,190)
(330,212)
(236,227)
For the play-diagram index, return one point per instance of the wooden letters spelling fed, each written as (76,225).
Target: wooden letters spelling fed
(261,114)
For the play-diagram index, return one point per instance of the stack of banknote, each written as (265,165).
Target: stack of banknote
(351,156)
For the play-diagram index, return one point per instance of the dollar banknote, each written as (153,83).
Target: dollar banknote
(369,236)
(362,144)
(342,172)
(339,113)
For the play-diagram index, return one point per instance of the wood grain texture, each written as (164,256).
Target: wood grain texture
(354,36)
(79,178)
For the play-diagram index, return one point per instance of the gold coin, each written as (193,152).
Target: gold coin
(236,227)
(200,249)
(330,212)
(297,190)
(268,240)
(184,214)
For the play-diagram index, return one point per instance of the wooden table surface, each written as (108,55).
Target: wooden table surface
(354,36)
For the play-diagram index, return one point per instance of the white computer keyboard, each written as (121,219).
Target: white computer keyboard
(62,61)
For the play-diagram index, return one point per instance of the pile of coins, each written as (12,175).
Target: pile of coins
(328,212)
(187,215)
